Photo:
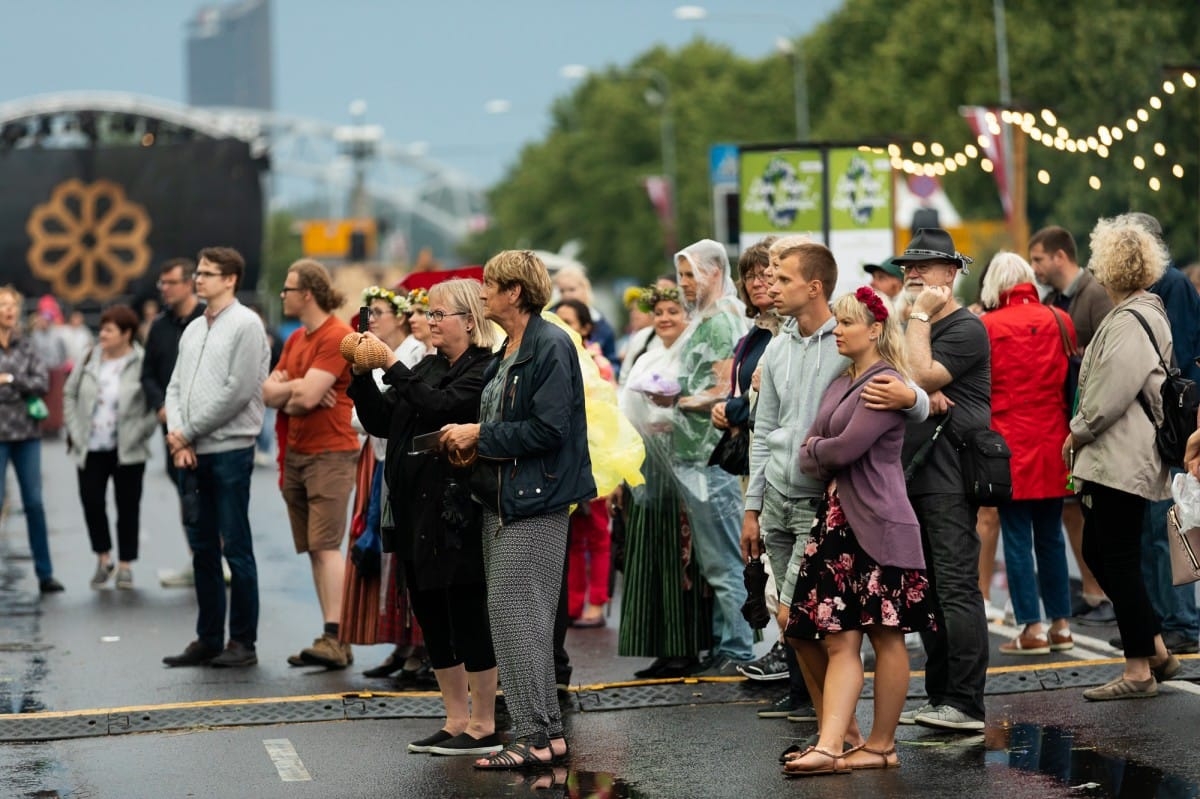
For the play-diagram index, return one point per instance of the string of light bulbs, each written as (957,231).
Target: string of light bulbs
(1062,139)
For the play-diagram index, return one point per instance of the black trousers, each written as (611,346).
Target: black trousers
(97,470)
(454,621)
(1112,549)
(957,650)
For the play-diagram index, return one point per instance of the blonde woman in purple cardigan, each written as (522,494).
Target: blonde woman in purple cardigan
(863,570)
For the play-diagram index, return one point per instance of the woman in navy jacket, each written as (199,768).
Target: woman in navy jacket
(531,442)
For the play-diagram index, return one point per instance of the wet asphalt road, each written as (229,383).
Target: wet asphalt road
(101,650)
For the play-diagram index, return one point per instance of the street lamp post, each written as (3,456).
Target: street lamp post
(359,142)
(789,46)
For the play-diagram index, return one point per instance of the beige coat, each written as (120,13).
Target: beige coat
(1114,439)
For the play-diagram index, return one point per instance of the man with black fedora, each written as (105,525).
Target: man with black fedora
(950,358)
(886,277)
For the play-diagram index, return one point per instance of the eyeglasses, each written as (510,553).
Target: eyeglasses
(438,316)
(202,273)
(755,274)
(379,313)
(921,269)
(286,289)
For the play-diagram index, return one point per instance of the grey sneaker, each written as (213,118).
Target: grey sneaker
(768,668)
(945,717)
(910,716)
(103,572)
(125,579)
(177,578)
(1100,614)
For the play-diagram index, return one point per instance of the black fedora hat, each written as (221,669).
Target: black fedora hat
(932,244)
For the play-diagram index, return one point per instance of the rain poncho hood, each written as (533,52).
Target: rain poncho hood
(709,259)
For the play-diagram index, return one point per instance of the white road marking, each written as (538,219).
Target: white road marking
(1183,685)
(1086,647)
(286,761)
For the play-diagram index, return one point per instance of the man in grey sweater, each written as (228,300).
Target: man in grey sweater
(214,413)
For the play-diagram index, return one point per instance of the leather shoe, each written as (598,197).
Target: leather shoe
(387,668)
(196,654)
(235,655)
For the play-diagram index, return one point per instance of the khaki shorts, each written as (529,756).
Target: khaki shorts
(316,489)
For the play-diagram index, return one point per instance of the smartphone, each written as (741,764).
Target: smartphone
(364,319)
(429,442)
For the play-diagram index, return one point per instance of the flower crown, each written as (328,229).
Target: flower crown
(418,297)
(399,304)
(867,296)
(650,296)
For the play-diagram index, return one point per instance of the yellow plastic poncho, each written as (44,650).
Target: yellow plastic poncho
(615,447)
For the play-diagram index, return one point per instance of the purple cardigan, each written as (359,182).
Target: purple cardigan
(861,448)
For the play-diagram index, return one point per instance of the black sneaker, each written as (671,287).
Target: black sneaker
(1180,644)
(768,668)
(196,654)
(1100,614)
(803,711)
(425,744)
(464,744)
(779,709)
(723,667)
(236,655)
(50,586)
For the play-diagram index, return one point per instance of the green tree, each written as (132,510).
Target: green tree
(281,248)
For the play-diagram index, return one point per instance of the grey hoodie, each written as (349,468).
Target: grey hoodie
(796,370)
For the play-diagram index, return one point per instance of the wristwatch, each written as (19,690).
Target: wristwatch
(920,316)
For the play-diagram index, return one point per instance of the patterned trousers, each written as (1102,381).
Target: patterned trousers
(523,562)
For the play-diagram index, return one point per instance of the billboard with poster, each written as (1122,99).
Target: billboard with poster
(840,195)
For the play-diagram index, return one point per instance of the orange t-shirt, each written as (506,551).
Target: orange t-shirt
(324,429)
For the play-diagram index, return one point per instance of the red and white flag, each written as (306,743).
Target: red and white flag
(989,135)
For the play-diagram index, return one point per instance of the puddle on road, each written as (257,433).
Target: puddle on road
(1055,752)
(573,784)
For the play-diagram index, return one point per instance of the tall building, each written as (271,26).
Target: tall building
(229,56)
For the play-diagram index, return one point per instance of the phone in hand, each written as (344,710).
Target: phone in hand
(364,319)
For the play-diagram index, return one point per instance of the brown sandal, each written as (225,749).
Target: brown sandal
(883,763)
(835,764)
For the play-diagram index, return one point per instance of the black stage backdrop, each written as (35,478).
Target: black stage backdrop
(95,224)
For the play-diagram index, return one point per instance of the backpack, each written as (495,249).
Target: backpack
(1180,403)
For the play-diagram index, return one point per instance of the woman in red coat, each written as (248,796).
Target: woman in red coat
(1029,408)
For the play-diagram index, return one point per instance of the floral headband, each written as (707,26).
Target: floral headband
(650,296)
(399,304)
(418,297)
(867,296)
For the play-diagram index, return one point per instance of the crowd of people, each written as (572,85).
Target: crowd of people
(820,434)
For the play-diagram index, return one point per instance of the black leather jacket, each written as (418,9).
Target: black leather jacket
(535,457)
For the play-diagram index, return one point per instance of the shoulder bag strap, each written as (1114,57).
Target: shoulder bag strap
(1062,331)
(1142,400)
(922,454)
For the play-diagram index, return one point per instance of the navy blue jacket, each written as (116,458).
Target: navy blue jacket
(1182,304)
(745,360)
(535,458)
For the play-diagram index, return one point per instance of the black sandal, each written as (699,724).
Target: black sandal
(514,756)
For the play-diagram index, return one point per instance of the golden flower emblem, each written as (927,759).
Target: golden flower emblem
(89,240)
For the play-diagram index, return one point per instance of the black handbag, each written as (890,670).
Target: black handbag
(732,452)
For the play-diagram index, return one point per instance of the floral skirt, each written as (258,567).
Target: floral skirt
(840,587)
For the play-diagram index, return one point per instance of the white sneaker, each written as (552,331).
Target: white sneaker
(176,578)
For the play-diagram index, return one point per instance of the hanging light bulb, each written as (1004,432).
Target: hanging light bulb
(960,159)
(1168,87)
(1155,103)
(1094,182)
(894,150)
(1177,171)
(1105,136)
(1062,133)
(937,150)
(986,164)
(939,169)
(1132,124)
(918,148)
(1143,115)
(1139,162)
(1102,151)
(971,151)
(1189,80)
(1117,133)
(1092,143)
(1154,184)
(1043,177)
(897,163)
(951,165)
(1071,146)
(1029,119)
(1160,149)
(1048,117)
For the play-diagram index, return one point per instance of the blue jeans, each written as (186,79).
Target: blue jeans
(267,435)
(216,500)
(26,457)
(1034,527)
(1175,605)
(713,499)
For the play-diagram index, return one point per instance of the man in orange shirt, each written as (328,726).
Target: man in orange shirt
(309,387)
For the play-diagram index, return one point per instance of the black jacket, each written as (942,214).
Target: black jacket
(421,400)
(535,457)
(162,350)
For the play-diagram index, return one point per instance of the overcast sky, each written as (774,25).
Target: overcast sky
(425,69)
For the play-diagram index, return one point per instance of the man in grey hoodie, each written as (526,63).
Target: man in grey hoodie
(797,366)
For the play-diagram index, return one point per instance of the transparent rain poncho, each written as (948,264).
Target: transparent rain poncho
(647,399)
(706,358)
